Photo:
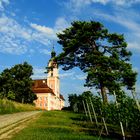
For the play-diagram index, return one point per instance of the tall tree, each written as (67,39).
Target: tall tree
(16,83)
(100,54)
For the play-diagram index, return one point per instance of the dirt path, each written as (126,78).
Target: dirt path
(13,123)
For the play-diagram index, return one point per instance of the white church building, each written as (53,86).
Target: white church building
(48,90)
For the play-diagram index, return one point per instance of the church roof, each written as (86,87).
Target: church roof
(40,86)
(61,97)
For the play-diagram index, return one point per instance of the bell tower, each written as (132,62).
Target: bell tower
(53,76)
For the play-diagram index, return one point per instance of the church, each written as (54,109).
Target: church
(48,90)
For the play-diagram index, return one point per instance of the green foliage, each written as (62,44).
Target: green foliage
(16,83)
(11,95)
(7,106)
(125,111)
(76,101)
(103,56)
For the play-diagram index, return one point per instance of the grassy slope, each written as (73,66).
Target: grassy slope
(7,106)
(55,125)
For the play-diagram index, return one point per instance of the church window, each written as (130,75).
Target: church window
(51,73)
(45,104)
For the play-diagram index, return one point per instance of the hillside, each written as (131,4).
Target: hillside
(58,125)
(7,106)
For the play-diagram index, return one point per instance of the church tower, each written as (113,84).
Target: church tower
(53,76)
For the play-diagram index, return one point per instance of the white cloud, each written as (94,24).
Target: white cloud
(117,2)
(136,69)
(50,33)
(38,70)
(80,77)
(134,46)
(123,19)
(66,74)
(44,31)
(125,2)
(12,36)
(45,51)
(41,38)
(2,3)
(77,5)
(8,45)
(39,76)
(16,38)
(60,24)
(39,73)
(130,21)
(73,75)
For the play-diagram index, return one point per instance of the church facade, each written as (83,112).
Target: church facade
(48,90)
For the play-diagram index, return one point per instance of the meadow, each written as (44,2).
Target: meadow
(58,125)
(7,106)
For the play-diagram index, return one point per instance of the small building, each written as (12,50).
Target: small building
(48,90)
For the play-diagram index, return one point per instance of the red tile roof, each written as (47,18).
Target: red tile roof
(40,86)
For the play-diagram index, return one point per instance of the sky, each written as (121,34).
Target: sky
(28,33)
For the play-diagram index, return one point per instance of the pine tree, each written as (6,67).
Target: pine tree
(103,56)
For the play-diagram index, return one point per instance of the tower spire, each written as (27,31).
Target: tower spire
(53,75)
(53,53)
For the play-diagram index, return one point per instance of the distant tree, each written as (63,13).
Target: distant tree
(16,83)
(73,101)
(76,101)
(103,56)
(6,81)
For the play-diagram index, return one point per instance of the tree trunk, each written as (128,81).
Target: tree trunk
(104,95)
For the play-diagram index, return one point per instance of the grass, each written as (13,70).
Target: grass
(7,106)
(56,125)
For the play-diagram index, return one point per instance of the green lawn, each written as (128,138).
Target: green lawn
(56,125)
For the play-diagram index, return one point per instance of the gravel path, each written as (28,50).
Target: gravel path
(9,119)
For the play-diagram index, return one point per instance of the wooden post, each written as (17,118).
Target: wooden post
(94,112)
(103,119)
(122,130)
(121,125)
(134,97)
(105,126)
(104,123)
(85,108)
(89,112)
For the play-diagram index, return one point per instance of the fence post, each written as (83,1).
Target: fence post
(85,108)
(121,125)
(134,97)
(89,112)
(94,112)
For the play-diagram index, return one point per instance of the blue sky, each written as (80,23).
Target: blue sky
(28,31)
